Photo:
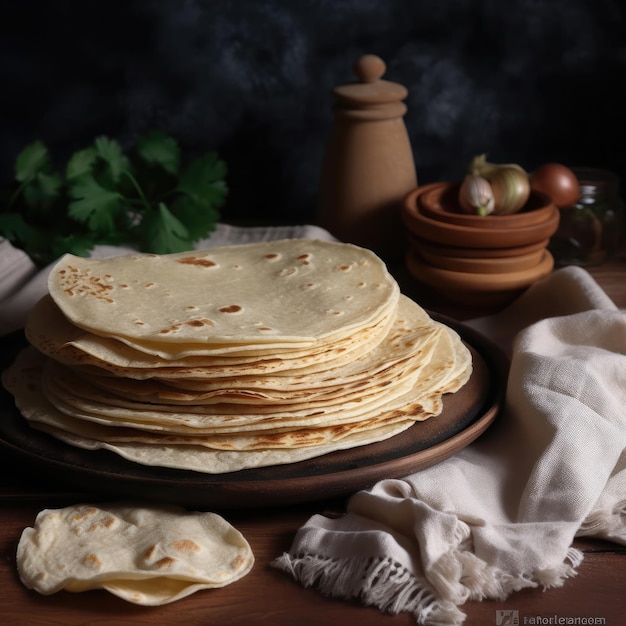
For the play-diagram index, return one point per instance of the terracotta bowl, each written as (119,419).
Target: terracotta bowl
(439,201)
(474,253)
(474,288)
(448,234)
(483,265)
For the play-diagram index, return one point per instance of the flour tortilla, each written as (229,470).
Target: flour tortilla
(43,416)
(292,427)
(270,294)
(405,349)
(203,460)
(409,383)
(148,555)
(50,332)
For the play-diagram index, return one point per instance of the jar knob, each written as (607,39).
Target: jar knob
(371,90)
(369,68)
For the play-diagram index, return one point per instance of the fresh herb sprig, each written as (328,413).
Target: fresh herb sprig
(148,199)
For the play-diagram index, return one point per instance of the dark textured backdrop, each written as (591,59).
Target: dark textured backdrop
(524,80)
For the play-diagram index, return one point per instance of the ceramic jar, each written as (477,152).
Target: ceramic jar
(368,166)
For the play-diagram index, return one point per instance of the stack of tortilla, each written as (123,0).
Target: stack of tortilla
(231,358)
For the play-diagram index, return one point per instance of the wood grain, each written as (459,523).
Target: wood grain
(268,597)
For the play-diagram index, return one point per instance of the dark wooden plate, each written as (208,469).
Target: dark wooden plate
(466,415)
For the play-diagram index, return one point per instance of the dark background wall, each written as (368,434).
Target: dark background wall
(523,80)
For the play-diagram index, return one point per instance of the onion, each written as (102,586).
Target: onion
(558,182)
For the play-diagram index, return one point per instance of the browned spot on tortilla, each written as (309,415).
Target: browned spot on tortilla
(166,561)
(92,560)
(194,260)
(186,545)
(170,329)
(107,522)
(237,563)
(231,308)
(77,517)
(200,322)
(149,552)
(83,283)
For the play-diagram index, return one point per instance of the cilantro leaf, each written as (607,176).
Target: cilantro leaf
(203,180)
(156,148)
(78,244)
(163,233)
(32,159)
(37,242)
(103,196)
(93,204)
(14,227)
(43,190)
(111,153)
(80,163)
(199,218)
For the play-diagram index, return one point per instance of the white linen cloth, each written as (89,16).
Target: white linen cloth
(22,284)
(500,515)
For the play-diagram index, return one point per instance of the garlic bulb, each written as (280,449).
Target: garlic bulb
(509,182)
(476,195)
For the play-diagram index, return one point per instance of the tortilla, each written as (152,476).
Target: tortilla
(268,295)
(148,555)
(50,332)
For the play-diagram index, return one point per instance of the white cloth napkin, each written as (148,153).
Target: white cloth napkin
(21,284)
(501,515)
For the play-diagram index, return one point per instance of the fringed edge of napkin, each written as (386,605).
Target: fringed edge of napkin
(384,583)
(460,576)
(606,524)
(375,581)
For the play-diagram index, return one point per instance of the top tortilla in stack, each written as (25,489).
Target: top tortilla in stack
(234,357)
(236,299)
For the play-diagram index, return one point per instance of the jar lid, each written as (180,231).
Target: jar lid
(596,181)
(370,89)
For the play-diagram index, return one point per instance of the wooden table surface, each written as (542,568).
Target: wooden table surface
(269,597)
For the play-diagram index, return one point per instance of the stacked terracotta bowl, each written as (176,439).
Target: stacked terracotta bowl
(472,259)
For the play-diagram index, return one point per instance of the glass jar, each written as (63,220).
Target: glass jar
(590,231)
